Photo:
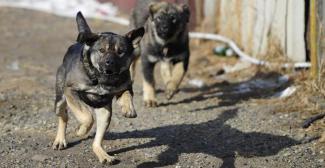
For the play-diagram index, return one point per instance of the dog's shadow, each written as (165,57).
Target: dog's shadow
(213,137)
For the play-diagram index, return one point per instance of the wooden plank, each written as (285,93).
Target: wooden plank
(321,31)
(313,39)
(247,28)
(296,47)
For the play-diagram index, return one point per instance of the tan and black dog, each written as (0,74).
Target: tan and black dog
(166,41)
(94,71)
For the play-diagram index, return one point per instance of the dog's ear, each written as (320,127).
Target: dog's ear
(85,35)
(82,24)
(154,8)
(135,36)
(185,9)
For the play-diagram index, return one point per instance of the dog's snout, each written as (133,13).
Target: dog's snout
(110,62)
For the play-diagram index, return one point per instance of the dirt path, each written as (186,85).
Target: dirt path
(211,127)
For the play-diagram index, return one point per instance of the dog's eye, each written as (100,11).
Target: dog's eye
(120,51)
(102,50)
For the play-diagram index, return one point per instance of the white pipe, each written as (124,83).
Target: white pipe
(240,53)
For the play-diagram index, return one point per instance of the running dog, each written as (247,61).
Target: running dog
(166,41)
(94,71)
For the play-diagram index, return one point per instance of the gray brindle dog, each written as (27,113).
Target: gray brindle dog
(94,71)
(166,41)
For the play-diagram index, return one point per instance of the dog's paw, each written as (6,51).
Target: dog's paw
(170,90)
(150,103)
(59,144)
(82,131)
(103,156)
(170,93)
(129,112)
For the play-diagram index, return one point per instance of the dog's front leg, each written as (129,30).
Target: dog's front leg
(149,93)
(125,100)
(103,119)
(166,71)
(61,111)
(177,76)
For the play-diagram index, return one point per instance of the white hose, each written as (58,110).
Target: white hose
(240,53)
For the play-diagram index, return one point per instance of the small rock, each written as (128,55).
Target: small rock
(14,66)
(39,157)
(197,83)
(2,97)
(63,165)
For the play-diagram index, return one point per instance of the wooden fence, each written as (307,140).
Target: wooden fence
(260,25)
(320,32)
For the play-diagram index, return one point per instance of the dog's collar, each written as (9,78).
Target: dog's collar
(91,71)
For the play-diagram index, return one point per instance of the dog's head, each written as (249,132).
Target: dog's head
(168,18)
(109,53)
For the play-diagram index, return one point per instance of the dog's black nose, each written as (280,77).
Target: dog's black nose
(110,62)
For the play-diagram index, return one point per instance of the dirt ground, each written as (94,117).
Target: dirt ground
(215,126)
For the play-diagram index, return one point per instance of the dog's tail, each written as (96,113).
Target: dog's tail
(82,24)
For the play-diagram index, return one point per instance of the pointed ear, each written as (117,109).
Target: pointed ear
(185,9)
(87,38)
(85,35)
(135,36)
(154,7)
(82,24)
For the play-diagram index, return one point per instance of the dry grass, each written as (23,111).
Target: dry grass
(309,100)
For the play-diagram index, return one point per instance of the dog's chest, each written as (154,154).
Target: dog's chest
(173,53)
(95,100)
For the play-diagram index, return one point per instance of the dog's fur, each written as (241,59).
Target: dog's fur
(94,71)
(166,41)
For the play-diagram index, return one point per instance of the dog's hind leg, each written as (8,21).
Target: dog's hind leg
(81,111)
(125,100)
(133,69)
(103,119)
(133,66)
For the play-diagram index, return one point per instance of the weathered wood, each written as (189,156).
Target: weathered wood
(321,31)
(313,39)
(296,49)
(255,25)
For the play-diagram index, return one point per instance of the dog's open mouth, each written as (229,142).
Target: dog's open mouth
(110,72)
